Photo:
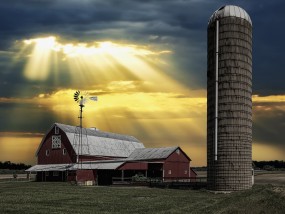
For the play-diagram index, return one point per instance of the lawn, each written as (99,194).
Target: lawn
(34,197)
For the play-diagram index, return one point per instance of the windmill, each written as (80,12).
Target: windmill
(81,98)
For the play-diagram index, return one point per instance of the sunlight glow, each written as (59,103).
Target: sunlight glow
(38,65)
(103,59)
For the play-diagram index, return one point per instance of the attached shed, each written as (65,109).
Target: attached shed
(167,162)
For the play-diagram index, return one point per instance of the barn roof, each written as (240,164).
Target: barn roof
(99,143)
(49,167)
(152,153)
(74,166)
(97,133)
(97,165)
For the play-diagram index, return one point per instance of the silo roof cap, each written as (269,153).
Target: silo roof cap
(230,10)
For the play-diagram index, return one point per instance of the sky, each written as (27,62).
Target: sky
(146,60)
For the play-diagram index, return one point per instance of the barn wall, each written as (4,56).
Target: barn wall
(95,158)
(51,176)
(71,176)
(193,174)
(86,175)
(56,155)
(176,166)
(134,166)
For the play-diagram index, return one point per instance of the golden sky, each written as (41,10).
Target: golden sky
(136,96)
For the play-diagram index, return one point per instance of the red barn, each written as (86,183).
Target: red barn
(102,155)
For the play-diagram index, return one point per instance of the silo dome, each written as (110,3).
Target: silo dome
(230,11)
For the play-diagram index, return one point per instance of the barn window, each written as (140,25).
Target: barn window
(47,152)
(178,151)
(56,142)
(64,151)
(185,172)
(56,130)
(169,172)
(55,173)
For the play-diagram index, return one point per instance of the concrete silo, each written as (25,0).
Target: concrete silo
(229,107)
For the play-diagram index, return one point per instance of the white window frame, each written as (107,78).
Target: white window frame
(169,172)
(47,152)
(56,130)
(185,172)
(56,142)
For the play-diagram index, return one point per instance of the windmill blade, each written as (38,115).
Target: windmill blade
(94,98)
(76,96)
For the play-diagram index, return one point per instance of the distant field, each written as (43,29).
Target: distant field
(34,197)
(261,177)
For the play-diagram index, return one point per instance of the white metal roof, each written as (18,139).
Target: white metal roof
(151,153)
(230,10)
(100,146)
(98,143)
(90,165)
(112,164)
(97,133)
(49,167)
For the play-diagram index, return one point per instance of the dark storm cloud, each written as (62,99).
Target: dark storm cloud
(268,126)
(23,117)
(178,25)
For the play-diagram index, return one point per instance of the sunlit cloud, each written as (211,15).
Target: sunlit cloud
(98,61)
(264,151)
(135,94)
(38,65)
(155,118)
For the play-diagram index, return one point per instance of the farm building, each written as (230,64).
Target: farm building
(101,156)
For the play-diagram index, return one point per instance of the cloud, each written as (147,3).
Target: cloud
(268,120)
(163,90)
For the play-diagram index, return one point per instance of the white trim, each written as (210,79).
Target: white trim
(56,130)
(216,90)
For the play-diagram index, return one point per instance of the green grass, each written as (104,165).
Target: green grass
(33,197)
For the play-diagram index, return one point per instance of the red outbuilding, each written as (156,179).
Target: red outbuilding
(96,157)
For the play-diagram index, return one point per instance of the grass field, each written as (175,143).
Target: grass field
(34,197)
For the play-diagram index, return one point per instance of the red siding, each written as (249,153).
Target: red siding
(193,174)
(95,158)
(85,175)
(56,155)
(176,166)
(134,166)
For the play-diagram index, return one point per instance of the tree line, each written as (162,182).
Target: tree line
(13,166)
(269,165)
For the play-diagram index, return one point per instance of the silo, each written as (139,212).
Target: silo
(229,105)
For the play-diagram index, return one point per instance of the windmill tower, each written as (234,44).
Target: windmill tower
(81,99)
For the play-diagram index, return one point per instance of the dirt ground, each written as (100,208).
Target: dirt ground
(277,178)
